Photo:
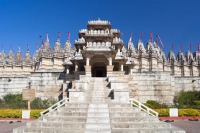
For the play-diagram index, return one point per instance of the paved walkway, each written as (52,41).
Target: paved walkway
(188,126)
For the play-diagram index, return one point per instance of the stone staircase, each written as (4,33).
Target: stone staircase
(97,114)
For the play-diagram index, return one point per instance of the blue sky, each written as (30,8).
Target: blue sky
(175,21)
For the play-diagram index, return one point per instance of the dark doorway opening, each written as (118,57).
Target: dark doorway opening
(99,72)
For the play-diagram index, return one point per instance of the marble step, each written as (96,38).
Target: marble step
(73,109)
(136,125)
(98,120)
(128,114)
(84,105)
(98,126)
(69,125)
(98,131)
(46,130)
(156,130)
(68,114)
(134,119)
(64,118)
(98,114)
(104,105)
(123,109)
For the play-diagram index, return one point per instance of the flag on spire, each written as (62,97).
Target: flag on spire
(2,47)
(151,36)
(172,47)
(121,35)
(36,46)
(47,37)
(19,48)
(68,36)
(27,47)
(130,40)
(141,35)
(163,46)
(181,47)
(59,36)
(199,48)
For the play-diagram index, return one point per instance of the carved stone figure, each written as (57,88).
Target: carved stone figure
(171,57)
(36,56)
(189,57)
(124,51)
(180,57)
(2,58)
(162,54)
(18,58)
(27,58)
(58,51)
(140,47)
(10,59)
(150,47)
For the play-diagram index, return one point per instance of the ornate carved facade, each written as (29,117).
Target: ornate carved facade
(100,52)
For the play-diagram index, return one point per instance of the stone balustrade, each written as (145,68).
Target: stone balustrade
(99,32)
(115,30)
(98,22)
(117,40)
(83,30)
(99,44)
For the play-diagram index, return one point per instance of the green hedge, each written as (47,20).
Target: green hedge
(181,112)
(11,113)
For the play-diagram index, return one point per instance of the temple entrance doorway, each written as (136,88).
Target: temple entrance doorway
(98,70)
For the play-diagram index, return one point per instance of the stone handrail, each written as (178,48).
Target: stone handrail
(98,22)
(143,107)
(100,44)
(55,106)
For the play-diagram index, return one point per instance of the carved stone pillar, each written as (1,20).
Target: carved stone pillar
(76,66)
(110,61)
(109,70)
(87,61)
(67,69)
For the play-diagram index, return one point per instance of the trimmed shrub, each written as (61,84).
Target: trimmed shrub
(181,112)
(10,113)
(35,114)
(154,104)
(162,112)
(188,112)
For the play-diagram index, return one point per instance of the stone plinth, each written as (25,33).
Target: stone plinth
(88,70)
(121,95)
(109,70)
(76,95)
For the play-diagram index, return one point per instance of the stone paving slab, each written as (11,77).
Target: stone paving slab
(188,126)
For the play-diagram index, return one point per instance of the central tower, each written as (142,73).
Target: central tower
(98,50)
